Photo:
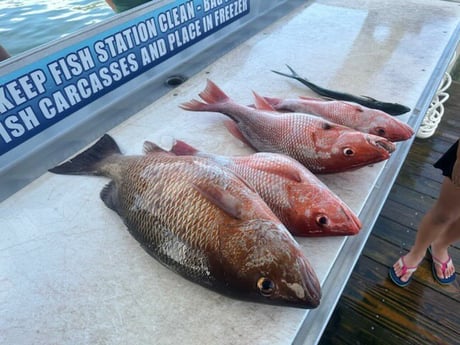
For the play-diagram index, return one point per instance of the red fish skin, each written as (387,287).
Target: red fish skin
(203,222)
(305,205)
(320,145)
(353,115)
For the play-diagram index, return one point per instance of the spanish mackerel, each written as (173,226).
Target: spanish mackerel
(389,108)
(203,222)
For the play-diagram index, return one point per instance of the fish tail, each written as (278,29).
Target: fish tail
(195,105)
(89,161)
(293,74)
(181,148)
(303,80)
(212,96)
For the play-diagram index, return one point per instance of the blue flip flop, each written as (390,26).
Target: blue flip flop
(436,261)
(397,280)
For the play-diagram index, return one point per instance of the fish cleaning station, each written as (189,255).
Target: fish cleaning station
(71,272)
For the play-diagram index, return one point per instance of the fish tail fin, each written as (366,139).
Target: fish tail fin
(89,161)
(195,105)
(293,74)
(303,80)
(181,148)
(213,94)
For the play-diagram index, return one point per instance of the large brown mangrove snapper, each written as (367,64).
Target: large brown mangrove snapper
(349,114)
(305,205)
(320,145)
(203,222)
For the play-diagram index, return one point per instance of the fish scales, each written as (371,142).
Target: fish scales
(203,222)
(322,146)
(301,201)
(353,115)
(166,233)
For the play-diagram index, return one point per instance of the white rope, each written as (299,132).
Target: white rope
(436,110)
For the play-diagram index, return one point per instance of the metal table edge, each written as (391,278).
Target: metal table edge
(315,321)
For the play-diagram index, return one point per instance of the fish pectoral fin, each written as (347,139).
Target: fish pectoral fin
(109,195)
(355,106)
(232,127)
(286,172)
(222,199)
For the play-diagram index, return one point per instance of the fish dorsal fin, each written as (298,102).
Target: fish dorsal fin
(369,98)
(222,199)
(261,103)
(150,147)
(181,148)
(313,99)
(272,101)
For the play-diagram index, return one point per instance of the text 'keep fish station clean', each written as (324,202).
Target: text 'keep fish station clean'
(71,81)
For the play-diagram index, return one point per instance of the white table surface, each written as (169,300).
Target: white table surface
(70,273)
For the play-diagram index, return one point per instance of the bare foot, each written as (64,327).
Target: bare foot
(444,265)
(406,266)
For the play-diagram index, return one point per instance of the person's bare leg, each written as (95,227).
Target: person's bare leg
(436,221)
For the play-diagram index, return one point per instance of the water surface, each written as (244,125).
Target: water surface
(25,24)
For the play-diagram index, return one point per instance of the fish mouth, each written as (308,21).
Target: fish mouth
(311,285)
(382,143)
(349,227)
(353,225)
(405,132)
(357,223)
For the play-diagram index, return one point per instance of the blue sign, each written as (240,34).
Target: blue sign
(43,93)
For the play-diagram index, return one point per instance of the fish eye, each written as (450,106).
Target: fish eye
(380,131)
(322,220)
(326,125)
(348,151)
(266,286)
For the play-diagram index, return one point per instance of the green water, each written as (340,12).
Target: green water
(25,24)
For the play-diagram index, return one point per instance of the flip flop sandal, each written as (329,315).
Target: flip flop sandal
(443,265)
(397,280)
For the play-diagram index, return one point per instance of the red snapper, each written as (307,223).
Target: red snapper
(320,145)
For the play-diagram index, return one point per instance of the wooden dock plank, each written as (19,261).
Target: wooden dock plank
(372,310)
